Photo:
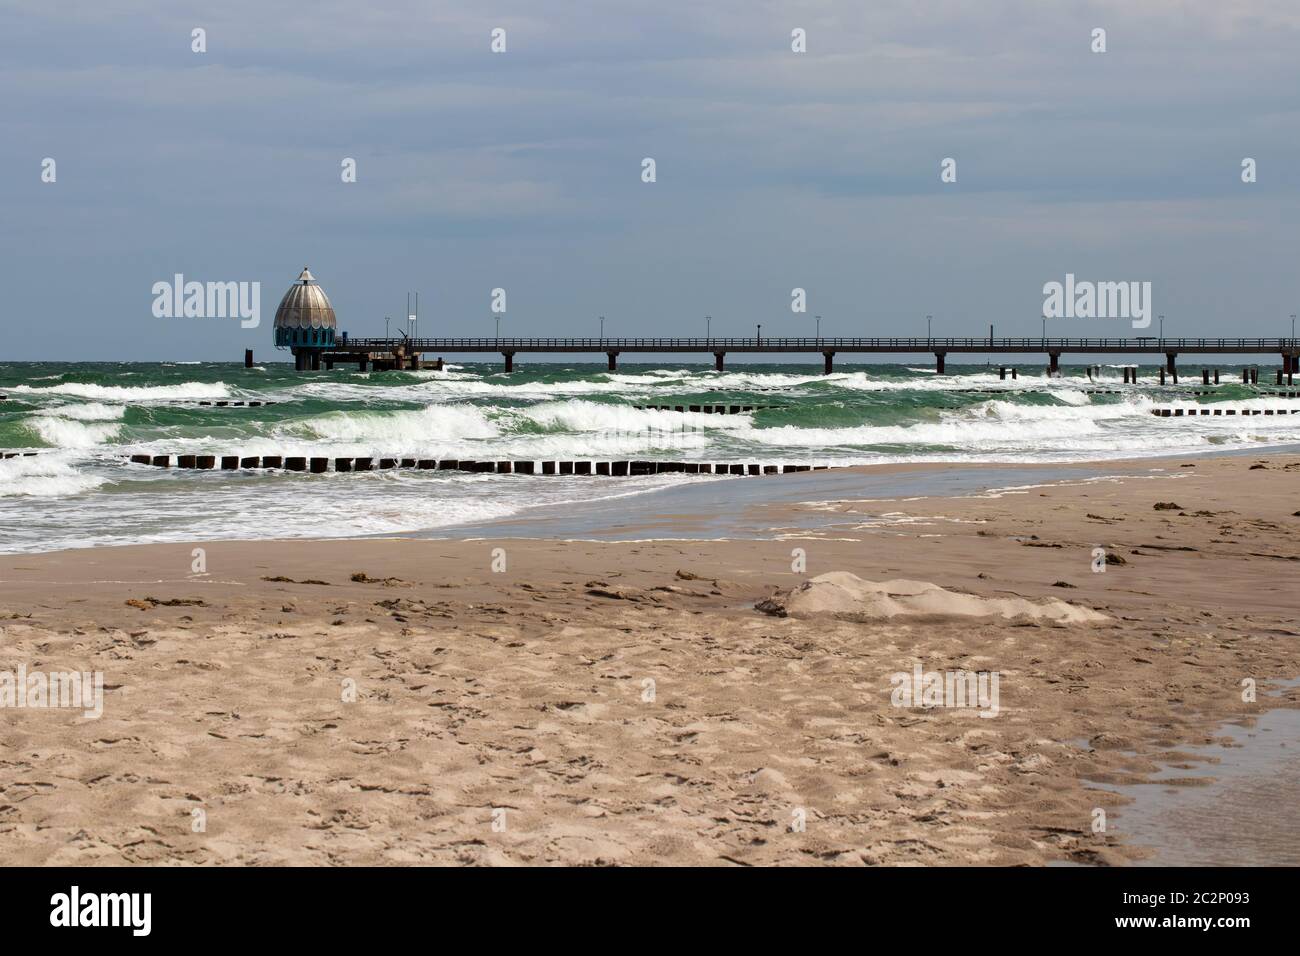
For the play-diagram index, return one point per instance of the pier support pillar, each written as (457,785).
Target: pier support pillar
(938,361)
(1170,359)
(1162,375)
(1053,363)
(510,360)
(399,361)
(1002,373)
(829,366)
(415,362)
(437,366)
(315,361)
(363,363)
(613,360)
(1205,376)
(717,361)
(1216,376)
(300,361)
(248,358)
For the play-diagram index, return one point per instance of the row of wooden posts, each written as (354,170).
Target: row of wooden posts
(1208,410)
(1249,376)
(705,409)
(319,465)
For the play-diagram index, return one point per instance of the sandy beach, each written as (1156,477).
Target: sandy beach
(542,701)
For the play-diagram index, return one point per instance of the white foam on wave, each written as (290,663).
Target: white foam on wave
(1071,411)
(585,416)
(397,429)
(87,412)
(66,433)
(43,476)
(130,393)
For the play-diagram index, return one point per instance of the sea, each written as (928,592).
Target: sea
(83,418)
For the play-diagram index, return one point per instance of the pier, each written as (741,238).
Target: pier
(409,353)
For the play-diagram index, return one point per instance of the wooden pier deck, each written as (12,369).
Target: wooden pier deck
(403,353)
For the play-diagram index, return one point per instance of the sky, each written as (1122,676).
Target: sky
(522,170)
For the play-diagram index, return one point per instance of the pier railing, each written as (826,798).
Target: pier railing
(1143,344)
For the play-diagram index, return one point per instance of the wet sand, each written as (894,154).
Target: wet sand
(594,702)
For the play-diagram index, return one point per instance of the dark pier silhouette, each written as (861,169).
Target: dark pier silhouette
(409,353)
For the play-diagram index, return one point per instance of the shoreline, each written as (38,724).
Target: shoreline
(688,501)
(511,674)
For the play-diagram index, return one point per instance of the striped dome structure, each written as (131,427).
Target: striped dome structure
(305,318)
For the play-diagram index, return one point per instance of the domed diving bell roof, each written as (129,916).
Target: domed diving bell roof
(305,306)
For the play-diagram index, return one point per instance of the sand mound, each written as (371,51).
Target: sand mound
(846,596)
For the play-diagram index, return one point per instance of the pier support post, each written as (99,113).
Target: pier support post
(437,366)
(829,365)
(315,361)
(415,362)
(717,361)
(939,361)
(1162,375)
(510,360)
(1002,373)
(248,358)
(300,361)
(363,363)
(613,361)
(1205,376)
(1216,376)
(1170,359)
(1053,363)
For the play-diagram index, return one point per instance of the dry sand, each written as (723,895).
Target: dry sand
(626,702)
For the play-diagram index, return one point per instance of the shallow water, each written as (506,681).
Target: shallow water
(1247,814)
(712,508)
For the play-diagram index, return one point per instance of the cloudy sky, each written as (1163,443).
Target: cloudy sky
(522,170)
